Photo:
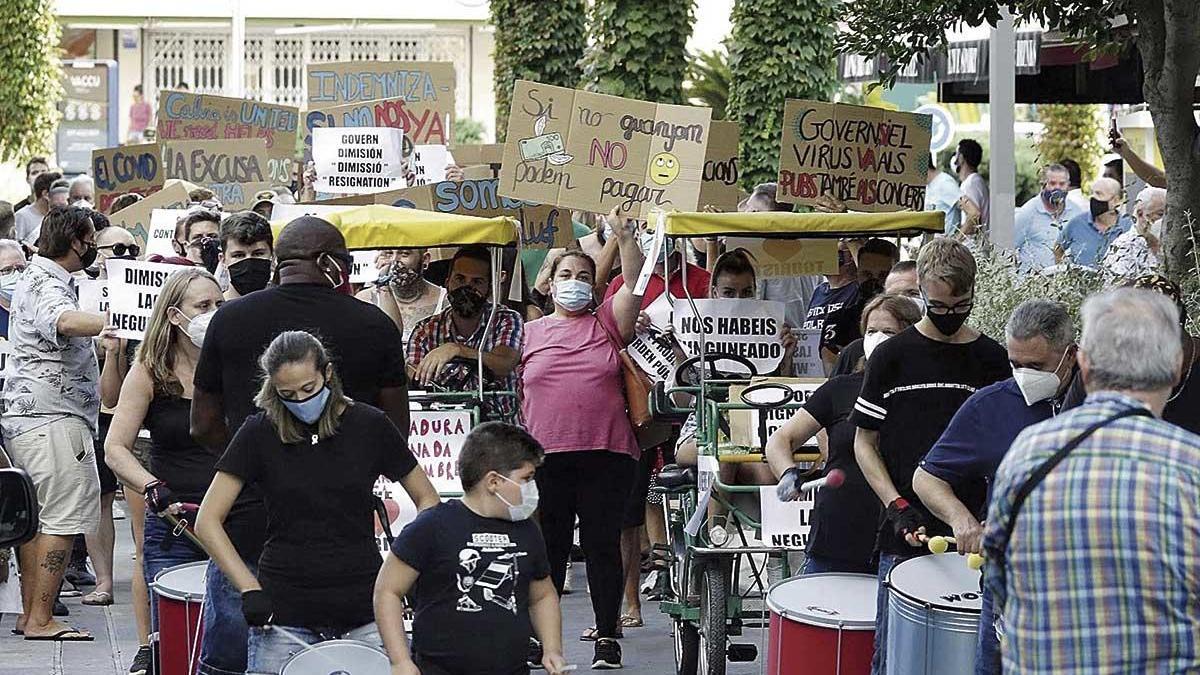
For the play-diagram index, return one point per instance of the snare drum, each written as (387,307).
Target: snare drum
(822,624)
(343,657)
(179,595)
(933,616)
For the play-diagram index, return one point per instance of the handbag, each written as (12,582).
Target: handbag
(635,383)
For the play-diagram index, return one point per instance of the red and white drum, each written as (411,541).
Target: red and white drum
(179,592)
(822,624)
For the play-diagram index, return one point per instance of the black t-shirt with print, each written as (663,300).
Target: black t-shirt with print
(473,585)
(320,559)
(913,386)
(836,313)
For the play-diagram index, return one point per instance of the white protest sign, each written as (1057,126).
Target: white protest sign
(428,164)
(93,295)
(5,352)
(785,523)
(649,350)
(133,286)
(747,328)
(806,362)
(358,160)
(363,270)
(400,510)
(751,428)
(162,232)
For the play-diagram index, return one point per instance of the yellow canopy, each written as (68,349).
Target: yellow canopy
(378,226)
(804,225)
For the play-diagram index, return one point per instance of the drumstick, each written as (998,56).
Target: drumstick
(833,479)
(941,544)
(975,561)
(183,528)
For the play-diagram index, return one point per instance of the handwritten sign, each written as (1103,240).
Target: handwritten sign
(133,286)
(136,217)
(592,152)
(129,168)
(751,428)
(415,82)
(161,239)
(649,349)
(775,258)
(423,122)
(542,226)
(870,158)
(204,117)
(719,184)
(358,161)
(233,170)
(436,438)
(474,154)
(747,328)
(786,524)
(428,164)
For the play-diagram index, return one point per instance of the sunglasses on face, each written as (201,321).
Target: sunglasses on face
(123,249)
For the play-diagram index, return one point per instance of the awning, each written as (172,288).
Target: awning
(373,227)
(783,225)
(964,61)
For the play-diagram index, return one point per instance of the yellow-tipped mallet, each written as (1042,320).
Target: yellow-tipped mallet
(975,561)
(940,544)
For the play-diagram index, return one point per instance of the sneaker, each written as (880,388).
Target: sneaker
(141,661)
(80,576)
(534,659)
(60,609)
(662,586)
(608,655)
(568,587)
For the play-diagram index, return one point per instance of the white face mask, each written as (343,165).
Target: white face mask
(919,301)
(197,326)
(529,500)
(871,341)
(572,294)
(954,164)
(1038,385)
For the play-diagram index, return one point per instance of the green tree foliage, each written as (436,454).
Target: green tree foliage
(779,49)
(1072,132)
(540,41)
(30,79)
(708,80)
(1167,36)
(467,130)
(638,49)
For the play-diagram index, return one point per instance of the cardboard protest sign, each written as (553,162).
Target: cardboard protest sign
(133,286)
(650,350)
(592,151)
(751,428)
(358,161)
(233,170)
(204,117)
(786,524)
(128,168)
(422,124)
(789,257)
(474,154)
(93,295)
(161,240)
(543,226)
(747,328)
(428,164)
(719,183)
(136,218)
(870,158)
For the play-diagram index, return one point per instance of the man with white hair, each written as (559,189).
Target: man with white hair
(1135,252)
(83,189)
(1087,236)
(1093,535)
(12,263)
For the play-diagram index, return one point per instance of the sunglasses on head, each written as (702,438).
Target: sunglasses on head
(124,249)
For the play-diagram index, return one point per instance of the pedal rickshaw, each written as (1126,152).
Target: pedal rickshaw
(704,602)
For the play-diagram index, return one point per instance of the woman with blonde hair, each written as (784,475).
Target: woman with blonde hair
(157,394)
(315,455)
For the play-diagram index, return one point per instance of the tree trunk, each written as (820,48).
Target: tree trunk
(1169,42)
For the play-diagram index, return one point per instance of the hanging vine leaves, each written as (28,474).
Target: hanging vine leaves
(31,79)
(639,49)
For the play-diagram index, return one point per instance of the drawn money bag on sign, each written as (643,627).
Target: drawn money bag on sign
(544,146)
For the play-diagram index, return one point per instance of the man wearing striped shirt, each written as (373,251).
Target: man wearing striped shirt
(914,384)
(1096,569)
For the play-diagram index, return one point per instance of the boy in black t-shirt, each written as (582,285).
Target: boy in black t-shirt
(477,569)
(914,384)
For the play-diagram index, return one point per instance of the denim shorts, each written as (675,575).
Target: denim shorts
(155,558)
(270,649)
(223,649)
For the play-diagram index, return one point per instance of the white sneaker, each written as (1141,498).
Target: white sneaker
(568,587)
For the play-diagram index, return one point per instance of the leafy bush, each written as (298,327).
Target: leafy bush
(467,130)
(1072,131)
(638,49)
(31,79)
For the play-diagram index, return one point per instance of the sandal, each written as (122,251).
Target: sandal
(628,621)
(98,599)
(591,634)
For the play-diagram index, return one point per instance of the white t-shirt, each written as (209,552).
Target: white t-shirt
(28,221)
(975,188)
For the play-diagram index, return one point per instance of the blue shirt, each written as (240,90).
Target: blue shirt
(981,432)
(1086,245)
(942,195)
(1036,232)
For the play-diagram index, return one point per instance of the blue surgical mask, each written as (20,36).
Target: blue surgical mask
(8,284)
(572,294)
(309,410)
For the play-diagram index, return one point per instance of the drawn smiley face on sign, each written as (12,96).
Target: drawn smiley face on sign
(664,168)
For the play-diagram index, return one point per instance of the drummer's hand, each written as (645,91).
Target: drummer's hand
(968,536)
(916,539)
(554,663)
(406,668)
(788,489)
(157,496)
(643,323)
(431,366)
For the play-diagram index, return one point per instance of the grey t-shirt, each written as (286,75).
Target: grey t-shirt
(28,222)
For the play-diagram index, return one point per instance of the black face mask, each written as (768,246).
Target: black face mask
(249,275)
(1098,207)
(210,253)
(948,324)
(88,256)
(466,302)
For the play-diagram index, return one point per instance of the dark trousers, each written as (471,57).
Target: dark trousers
(594,485)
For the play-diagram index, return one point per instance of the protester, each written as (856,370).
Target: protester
(1041,348)
(50,411)
(1091,538)
(1136,251)
(246,253)
(573,405)
(124,201)
(974,201)
(914,383)
(198,237)
(1114,168)
(1086,237)
(794,292)
(439,558)
(941,194)
(141,116)
(82,191)
(35,167)
(402,292)
(1153,175)
(315,455)
(844,520)
(29,217)
(444,349)
(113,243)
(902,281)
(875,260)
(313,268)
(835,308)
(1039,220)
(12,264)
(8,221)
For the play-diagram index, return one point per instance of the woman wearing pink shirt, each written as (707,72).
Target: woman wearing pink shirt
(140,116)
(574,405)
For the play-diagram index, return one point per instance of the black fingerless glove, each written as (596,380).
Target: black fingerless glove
(256,607)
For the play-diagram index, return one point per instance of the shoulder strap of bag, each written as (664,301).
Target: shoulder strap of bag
(1046,467)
